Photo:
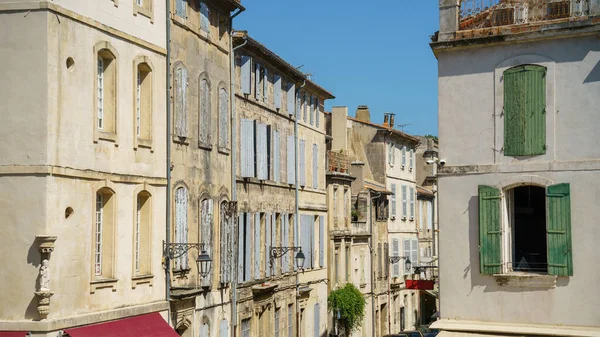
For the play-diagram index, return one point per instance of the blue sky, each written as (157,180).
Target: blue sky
(373,53)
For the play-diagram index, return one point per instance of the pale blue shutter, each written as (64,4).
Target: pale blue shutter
(410,159)
(315,166)
(276,157)
(312,110)
(403,156)
(223,328)
(414,256)
(262,166)
(291,169)
(265,91)
(322,241)
(429,216)
(404,202)
(412,203)
(395,252)
(298,113)
(393,201)
(285,229)
(305,105)
(317,112)
(302,160)
(317,320)
(247,246)
(273,241)
(291,97)
(267,244)
(204,22)
(311,230)
(296,234)
(277,91)
(180,8)
(241,236)
(257,246)
(257,78)
(408,253)
(246,77)
(247,148)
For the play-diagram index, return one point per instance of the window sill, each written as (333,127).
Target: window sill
(107,136)
(147,12)
(102,283)
(204,145)
(224,150)
(526,280)
(142,279)
(180,140)
(143,143)
(181,272)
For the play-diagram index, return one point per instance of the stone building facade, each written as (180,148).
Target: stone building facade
(201,152)
(518,191)
(83,148)
(274,296)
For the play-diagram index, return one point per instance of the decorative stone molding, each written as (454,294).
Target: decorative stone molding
(142,279)
(525,280)
(44,303)
(103,283)
(46,243)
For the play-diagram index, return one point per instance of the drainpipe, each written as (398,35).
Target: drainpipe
(296,211)
(373,274)
(234,250)
(168,143)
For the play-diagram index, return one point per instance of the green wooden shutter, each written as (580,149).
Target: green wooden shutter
(560,255)
(490,234)
(525,111)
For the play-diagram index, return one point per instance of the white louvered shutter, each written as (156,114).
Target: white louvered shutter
(257,246)
(322,241)
(257,81)
(404,201)
(318,112)
(393,201)
(262,163)
(407,245)
(268,245)
(223,119)
(291,164)
(277,91)
(302,162)
(315,166)
(412,202)
(291,98)
(414,256)
(276,157)
(265,90)
(395,252)
(246,77)
(247,249)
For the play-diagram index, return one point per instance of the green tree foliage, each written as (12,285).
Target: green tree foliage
(351,304)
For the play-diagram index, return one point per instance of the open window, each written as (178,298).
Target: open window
(526,229)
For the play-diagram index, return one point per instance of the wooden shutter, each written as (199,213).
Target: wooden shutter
(257,80)
(181,224)
(276,157)
(261,153)
(315,166)
(291,161)
(393,201)
(560,253)
(395,252)
(317,112)
(265,91)
(414,256)
(241,235)
(205,115)
(206,232)
(490,233)
(291,98)
(277,91)
(312,110)
(525,111)
(296,241)
(410,158)
(285,241)
(404,202)
(273,241)
(204,22)
(246,76)
(403,156)
(310,220)
(223,119)
(412,202)
(322,241)
(386,260)
(305,106)
(407,247)
(180,101)
(317,320)
(257,246)
(379,257)
(247,248)
(247,148)
(302,161)
(267,244)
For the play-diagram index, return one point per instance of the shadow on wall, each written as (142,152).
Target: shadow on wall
(594,75)
(34,258)
(487,281)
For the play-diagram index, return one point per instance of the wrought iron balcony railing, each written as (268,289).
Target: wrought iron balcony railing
(475,14)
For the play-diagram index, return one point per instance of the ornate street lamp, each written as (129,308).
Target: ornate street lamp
(177,250)
(396,259)
(204,263)
(277,252)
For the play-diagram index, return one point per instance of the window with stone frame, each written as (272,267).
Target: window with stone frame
(104,232)
(144,7)
(204,114)
(181,225)
(142,230)
(223,119)
(143,103)
(206,233)
(180,84)
(106,92)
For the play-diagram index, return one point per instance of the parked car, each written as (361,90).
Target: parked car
(406,334)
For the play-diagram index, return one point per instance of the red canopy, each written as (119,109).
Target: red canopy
(150,325)
(13,333)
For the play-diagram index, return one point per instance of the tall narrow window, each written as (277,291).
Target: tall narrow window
(181,8)
(290,320)
(348,265)
(335,202)
(277,322)
(204,18)
(143,102)
(246,327)
(223,119)
(404,201)
(525,111)
(393,201)
(104,233)
(181,224)
(206,232)
(180,101)
(142,234)
(403,157)
(204,118)
(412,203)
(226,242)
(346,202)
(106,91)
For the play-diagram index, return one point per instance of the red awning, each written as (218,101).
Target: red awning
(13,333)
(150,325)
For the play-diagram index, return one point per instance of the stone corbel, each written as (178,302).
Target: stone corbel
(46,247)
(46,244)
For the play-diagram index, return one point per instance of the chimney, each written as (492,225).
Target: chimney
(386,120)
(392,117)
(363,114)
(357,170)
(339,132)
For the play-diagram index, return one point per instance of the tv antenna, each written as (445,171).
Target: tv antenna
(401,126)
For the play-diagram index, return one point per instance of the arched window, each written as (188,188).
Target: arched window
(142,239)
(224,328)
(106,91)
(104,230)
(204,114)
(223,119)
(204,330)
(181,224)
(143,102)
(180,93)
(206,232)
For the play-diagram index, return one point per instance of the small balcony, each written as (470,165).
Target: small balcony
(359,228)
(478,14)
(337,162)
